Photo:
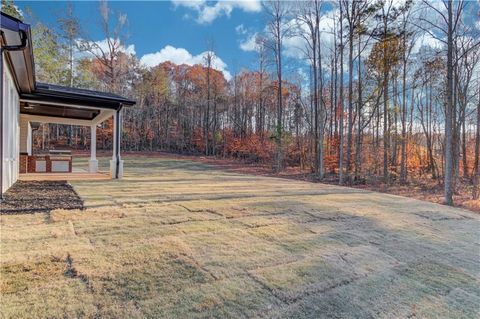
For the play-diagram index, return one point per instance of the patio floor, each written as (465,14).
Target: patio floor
(74,176)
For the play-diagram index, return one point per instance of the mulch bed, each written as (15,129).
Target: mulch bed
(26,197)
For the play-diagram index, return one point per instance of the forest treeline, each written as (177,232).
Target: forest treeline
(378,105)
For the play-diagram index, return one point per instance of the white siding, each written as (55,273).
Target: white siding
(11,131)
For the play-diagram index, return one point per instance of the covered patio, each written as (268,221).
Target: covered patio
(71,106)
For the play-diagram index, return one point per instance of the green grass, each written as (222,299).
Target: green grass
(181,239)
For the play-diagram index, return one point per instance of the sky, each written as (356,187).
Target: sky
(179,31)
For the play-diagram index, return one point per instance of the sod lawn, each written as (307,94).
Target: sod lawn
(179,239)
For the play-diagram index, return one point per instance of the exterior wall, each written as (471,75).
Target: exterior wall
(11,130)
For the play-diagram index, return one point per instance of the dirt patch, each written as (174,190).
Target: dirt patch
(26,197)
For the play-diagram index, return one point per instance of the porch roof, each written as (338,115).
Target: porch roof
(68,102)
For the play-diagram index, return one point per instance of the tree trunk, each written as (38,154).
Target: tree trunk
(476,165)
(448,178)
(386,135)
(358,148)
(350,93)
(279,164)
(403,155)
(342,141)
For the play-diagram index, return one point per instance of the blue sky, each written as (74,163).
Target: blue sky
(172,26)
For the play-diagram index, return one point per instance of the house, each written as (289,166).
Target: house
(25,102)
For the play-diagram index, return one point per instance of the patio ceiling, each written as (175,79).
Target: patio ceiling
(61,111)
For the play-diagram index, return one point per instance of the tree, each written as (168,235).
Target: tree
(69,30)
(355,13)
(449,110)
(208,59)
(262,60)
(448,27)
(69,26)
(406,36)
(476,165)
(50,62)
(341,98)
(109,55)
(308,18)
(278,30)
(9,7)
(387,34)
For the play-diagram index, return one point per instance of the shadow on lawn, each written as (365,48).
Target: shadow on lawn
(353,265)
(295,259)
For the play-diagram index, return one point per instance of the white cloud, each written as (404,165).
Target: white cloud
(250,43)
(295,46)
(240,29)
(248,5)
(188,3)
(426,41)
(207,12)
(182,56)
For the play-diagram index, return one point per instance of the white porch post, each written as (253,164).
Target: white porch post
(29,139)
(93,163)
(116,164)
(25,136)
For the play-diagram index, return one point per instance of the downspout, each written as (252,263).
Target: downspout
(21,47)
(117,139)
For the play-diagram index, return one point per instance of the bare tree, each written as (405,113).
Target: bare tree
(407,48)
(448,27)
(278,29)
(341,99)
(449,113)
(108,55)
(260,114)
(308,18)
(476,165)
(208,59)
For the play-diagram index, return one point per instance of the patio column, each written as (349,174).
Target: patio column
(93,163)
(25,136)
(116,164)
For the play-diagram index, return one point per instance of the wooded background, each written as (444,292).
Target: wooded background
(373,108)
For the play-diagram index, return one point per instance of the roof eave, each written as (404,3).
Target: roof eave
(67,99)
(84,96)
(21,61)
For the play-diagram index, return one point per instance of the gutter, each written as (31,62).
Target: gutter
(21,47)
